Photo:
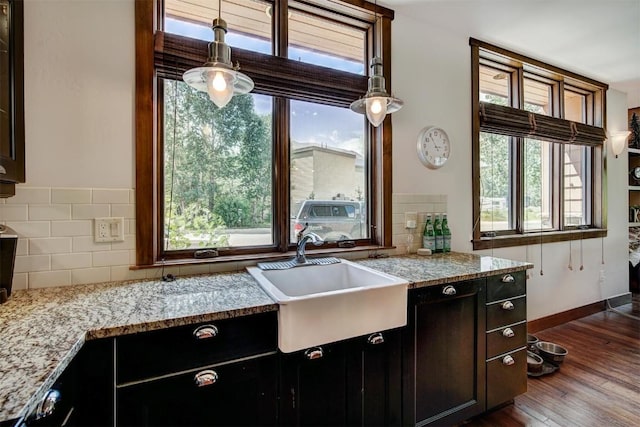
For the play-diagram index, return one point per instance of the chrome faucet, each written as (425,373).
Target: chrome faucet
(302,240)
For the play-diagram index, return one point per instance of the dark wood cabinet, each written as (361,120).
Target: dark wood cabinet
(11,96)
(353,382)
(242,392)
(444,349)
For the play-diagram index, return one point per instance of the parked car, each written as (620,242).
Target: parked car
(330,219)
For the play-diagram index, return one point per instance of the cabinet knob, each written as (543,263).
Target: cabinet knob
(313,353)
(449,290)
(48,404)
(507,305)
(508,360)
(508,333)
(507,278)
(205,332)
(375,339)
(205,378)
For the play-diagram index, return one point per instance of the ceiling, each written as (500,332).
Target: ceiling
(599,39)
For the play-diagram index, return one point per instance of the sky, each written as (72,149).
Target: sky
(310,123)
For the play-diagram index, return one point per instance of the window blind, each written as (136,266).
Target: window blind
(519,123)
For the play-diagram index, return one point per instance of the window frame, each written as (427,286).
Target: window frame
(163,55)
(486,54)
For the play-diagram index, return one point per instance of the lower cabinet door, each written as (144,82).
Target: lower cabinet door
(314,386)
(238,393)
(444,350)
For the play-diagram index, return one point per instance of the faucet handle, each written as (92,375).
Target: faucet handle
(301,232)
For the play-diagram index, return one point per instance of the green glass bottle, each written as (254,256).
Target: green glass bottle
(446,233)
(428,235)
(437,227)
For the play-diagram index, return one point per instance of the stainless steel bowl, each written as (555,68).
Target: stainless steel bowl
(534,363)
(551,352)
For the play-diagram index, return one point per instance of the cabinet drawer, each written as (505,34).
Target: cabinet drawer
(506,312)
(505,381)
(435,293)
(506,339)
(155,353)
(506,286)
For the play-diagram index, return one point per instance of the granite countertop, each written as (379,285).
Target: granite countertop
(42,330)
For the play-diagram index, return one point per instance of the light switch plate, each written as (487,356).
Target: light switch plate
(109,229)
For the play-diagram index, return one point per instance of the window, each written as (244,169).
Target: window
(240,179)
(537,151)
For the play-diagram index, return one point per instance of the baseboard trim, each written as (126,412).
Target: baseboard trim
(565,316)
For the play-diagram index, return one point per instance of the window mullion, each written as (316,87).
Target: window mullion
(518,178)
(280,173)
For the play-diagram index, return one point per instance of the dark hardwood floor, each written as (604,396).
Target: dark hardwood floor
(597,385)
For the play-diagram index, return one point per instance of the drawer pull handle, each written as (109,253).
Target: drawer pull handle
(449,290)
(508,360)
(205,332)
(507,305)
(205,378)
(375,339)
(507,278)
(314,353)
(508,333)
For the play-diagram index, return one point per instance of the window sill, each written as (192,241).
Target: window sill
(258,257)
(537,238)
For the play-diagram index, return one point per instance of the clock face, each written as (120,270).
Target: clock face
(433,147)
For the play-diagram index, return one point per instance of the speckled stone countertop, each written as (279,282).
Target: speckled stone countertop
(436,269)
(42,330)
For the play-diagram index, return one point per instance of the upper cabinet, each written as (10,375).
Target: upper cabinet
(11,96)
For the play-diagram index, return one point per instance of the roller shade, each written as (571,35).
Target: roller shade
(519,123)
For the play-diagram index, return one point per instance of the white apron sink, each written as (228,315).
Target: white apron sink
(320,304)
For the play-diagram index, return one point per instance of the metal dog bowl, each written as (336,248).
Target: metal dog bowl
(551,352)
(531,343)
(534,363)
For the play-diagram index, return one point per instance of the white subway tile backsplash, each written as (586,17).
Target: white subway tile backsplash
(13,212)
(90,275)
(20,282)
(90,211)
(22,248)
(47,279)
(28,195)
(109,258)
(70,195)
(72,228)
(189,270)
(49,245)
(86,244)
(101,195)
(126,211)
(129,243)
(49,212)
(132,196)
(30,263)
(30,229)
(70,261)
(123,272)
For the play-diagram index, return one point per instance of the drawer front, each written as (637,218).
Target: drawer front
(505,381)
(506,286)
(505,339)
(155,353)
(506,312)
(436,293)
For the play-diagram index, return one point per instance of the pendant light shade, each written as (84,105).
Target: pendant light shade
(218,77)
(376,103)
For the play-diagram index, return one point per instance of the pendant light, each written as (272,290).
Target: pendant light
(376,103)
(218,77)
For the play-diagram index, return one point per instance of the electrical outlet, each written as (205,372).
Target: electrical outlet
(411,219)
(109,229)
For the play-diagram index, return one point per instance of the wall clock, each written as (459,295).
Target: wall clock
(433,147)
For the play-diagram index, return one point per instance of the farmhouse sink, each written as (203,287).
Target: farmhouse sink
(320,304)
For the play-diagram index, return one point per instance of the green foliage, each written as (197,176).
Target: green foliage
(634,140)
(217,164)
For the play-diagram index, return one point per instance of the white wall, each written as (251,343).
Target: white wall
(432,74)
(79,100)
